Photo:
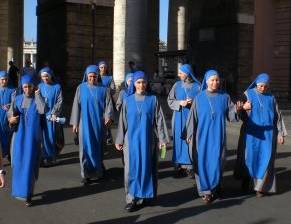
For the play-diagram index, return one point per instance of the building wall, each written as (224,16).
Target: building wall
(11,37)
(213,41)
(72,36)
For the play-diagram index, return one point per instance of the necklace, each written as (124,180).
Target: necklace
(139,106)
(211,107)
(259,100)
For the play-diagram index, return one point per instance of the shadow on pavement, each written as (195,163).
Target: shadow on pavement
(173,216)
(112,180)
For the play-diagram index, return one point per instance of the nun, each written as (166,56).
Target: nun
(141,131)
(206,131)
(7,94)
(24,113)
(52,94)
(92,111)
(125,92)
(107,81)
(180,100)
(263,127)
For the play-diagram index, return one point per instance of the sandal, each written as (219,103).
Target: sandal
(259,194)
(207,198)
(28,203)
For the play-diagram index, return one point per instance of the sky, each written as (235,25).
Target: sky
(30,19)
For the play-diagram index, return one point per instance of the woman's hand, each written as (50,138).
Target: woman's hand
(108,122)
(13,119)
(183,103)
(2,180)
(280,139)
(119,147)
(75,129)
(247,105)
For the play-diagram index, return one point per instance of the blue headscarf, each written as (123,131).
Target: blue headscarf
(207,75)
(3,74)
(90,69)
(136,75)
(187,69)
(27,79)
(127,77)
(261,78)
(102,63)
(48,71)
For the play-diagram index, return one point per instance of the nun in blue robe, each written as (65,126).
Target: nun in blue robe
(124,92)
(26,140)
(206,130)
(7,94)
(183,90)
(52,94)
(92,108)
(107,81)
(141,127)
(262,126)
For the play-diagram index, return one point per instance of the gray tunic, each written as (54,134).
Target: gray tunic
(57,108)
(190,135)
(119,101)
(160,132)
(174,105)
(76,120)
(268,183)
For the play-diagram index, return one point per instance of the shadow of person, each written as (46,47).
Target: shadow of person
(175,215)
(283,181)
(112,180)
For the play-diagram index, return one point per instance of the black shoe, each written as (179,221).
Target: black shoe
(28,202)
(86,181)
(131,207)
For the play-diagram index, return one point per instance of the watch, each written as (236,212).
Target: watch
(3,172)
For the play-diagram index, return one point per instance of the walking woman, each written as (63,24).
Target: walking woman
(141,130)
(25,112)
(108,82)
(125,92)
(92,111)
(263,127)
(180,100)
(52,94)
(7,94)
(206,130)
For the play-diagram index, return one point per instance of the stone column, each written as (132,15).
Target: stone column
(177,25)
(135,36)
(11,26)
(119,61)
(177,29)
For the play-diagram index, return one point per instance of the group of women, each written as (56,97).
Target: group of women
(198,128)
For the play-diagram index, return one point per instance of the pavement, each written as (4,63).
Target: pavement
(61,199)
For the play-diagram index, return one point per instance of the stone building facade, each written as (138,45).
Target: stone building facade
(11,36)
(240,39)
(72,35)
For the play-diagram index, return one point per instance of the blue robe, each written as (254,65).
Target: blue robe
(92,102)
(5,99)
(259,132)
(212,111)
(50,94)
(140,117)
(106,80)
(180,147)
(26,151)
